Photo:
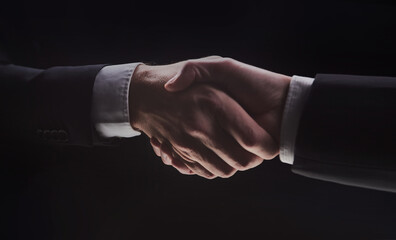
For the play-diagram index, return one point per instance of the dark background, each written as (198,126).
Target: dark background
(125,192)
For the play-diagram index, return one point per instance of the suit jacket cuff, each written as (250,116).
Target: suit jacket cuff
(298,93)
(110,104)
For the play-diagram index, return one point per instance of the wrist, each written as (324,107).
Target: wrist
(135,94)
(283,90)
(286,80)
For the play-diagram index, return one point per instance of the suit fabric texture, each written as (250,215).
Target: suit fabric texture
(347,131)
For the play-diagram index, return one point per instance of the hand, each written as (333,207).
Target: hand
(260,92)
(199,131)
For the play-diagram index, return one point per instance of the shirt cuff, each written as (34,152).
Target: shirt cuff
(298,93)
(110,106)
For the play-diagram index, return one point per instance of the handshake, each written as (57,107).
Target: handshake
(212,116)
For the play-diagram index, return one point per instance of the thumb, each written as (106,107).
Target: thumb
(182,80)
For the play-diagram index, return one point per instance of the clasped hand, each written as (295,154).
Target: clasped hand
(211,116)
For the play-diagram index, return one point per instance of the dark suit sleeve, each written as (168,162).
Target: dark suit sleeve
(347,132)
(3,57)
(47,106)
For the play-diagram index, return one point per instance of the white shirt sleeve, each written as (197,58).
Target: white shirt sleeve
(298,93)
(110,106)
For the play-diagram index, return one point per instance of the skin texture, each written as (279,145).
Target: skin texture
(201,130)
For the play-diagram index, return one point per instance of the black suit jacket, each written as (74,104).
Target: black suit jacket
(347,132)
(51,106)
(47,106)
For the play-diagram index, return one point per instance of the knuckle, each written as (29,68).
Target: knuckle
(251,140)
(249,163)
(222,175)
(188,63)
(188,67)
(271,150)
(254,163)
(240,166)
(227,60)
(262,143)
(210,177)
(228,173)
(214,57)
(206,174)
(272,153)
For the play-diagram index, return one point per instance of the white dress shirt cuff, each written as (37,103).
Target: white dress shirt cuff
(298,93)
(110,106)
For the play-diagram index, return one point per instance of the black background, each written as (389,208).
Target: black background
(125,192)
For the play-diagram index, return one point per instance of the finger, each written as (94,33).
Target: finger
(198,152)
(245,130)
(183,79)
(175,160)
(213,57)
(198,70)
(156,146)
(199,170)
(165,159)
(188,167)
(181,166)
(195,167)
(226,148)
(170,155)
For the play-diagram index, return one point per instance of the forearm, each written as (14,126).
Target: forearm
(48,106)
(346,132)
(15,103)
